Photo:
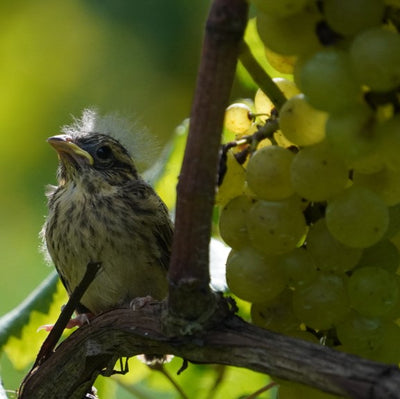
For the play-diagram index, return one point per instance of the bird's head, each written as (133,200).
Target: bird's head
(92,157)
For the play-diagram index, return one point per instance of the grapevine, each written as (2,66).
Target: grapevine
(313,221)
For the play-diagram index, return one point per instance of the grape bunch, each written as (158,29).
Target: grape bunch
(311,210)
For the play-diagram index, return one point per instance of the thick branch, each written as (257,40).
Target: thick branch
(123,332)
(189,294)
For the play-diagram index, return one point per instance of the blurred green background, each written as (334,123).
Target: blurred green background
(138,58)
(58,57)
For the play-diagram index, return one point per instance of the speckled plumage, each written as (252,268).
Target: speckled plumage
(103,211)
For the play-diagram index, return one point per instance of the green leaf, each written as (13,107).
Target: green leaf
(18,329)
(164,175)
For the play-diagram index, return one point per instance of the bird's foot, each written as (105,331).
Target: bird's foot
(78,321)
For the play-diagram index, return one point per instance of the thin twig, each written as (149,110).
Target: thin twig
(167,375)
(262,390)
(260,77)
(54,335)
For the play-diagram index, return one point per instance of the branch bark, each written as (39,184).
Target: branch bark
(123,332)
(189,295)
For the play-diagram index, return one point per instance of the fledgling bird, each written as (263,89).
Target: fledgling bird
(103,211)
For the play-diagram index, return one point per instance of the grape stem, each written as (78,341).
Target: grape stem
(261,77)
(263,132)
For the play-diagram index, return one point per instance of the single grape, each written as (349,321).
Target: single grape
(384,254)
(232,222)
(359,334)
(375,59)
(389,351)
(385,183)
(329,254)
(275,227)
(352,16)
(254,277)
(394,313)
(394,221)
(281,63)
(318,174)
(373,162)
(281,8)
(282,141)
(350,133)
(327,81)
(298,267)
(372,291)
(277,314)
(237,118)
(322,303)
(390,133)
(268,173)
(357,217)
(292,35)
(301,123)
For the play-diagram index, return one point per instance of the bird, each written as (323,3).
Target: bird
(103,211)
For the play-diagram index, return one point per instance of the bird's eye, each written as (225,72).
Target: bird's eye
(104,152)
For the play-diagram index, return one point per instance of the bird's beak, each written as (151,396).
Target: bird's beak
(66,148)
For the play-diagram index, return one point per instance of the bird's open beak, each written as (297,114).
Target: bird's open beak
(66,148)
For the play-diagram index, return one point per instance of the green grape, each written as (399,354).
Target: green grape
(383,254)
(281,63)
(268,173)
(301,123)
(275,227)
(359,334)
(350,133)
(394,313)
(232,222)
(394,221)
(322,303)
(370,163)
(389,351)
(317,174)
(263,105)
(254,277)
(329,254)
(282,141)
(375,58)
(385,183)
(352,16)
(357,217)
(276,315)
(237,118)
(292,35)
(281,8)
(390,131)
(327,81)
(298,267)
(372,291)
